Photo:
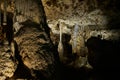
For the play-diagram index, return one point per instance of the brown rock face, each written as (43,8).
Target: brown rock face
(36,49)
(7,63)
(63,9)
(57,9)
(34,44)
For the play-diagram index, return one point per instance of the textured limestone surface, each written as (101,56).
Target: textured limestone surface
(7,63)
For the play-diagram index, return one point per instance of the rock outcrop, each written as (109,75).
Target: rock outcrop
(34,45)
(34,50)
(8,65)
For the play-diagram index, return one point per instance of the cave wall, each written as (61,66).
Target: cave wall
(29,21)
(98,18)
(56,9)
(77,9)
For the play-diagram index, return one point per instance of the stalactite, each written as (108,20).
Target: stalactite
(21,7)
(60,34)
(95,3)
(0,16)
(22,10)
(30,9)
(5,20)
(75,34)
(30,4)
(25,7)
(18,6)
(0,25)
(14,16)
(60,45)
(5,13)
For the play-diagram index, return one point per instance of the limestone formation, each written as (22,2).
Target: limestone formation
(7,63)
(35,49)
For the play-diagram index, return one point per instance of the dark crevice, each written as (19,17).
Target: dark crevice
(7,29)
(22,72)
(104,56)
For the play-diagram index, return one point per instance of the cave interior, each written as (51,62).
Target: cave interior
(102,54)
